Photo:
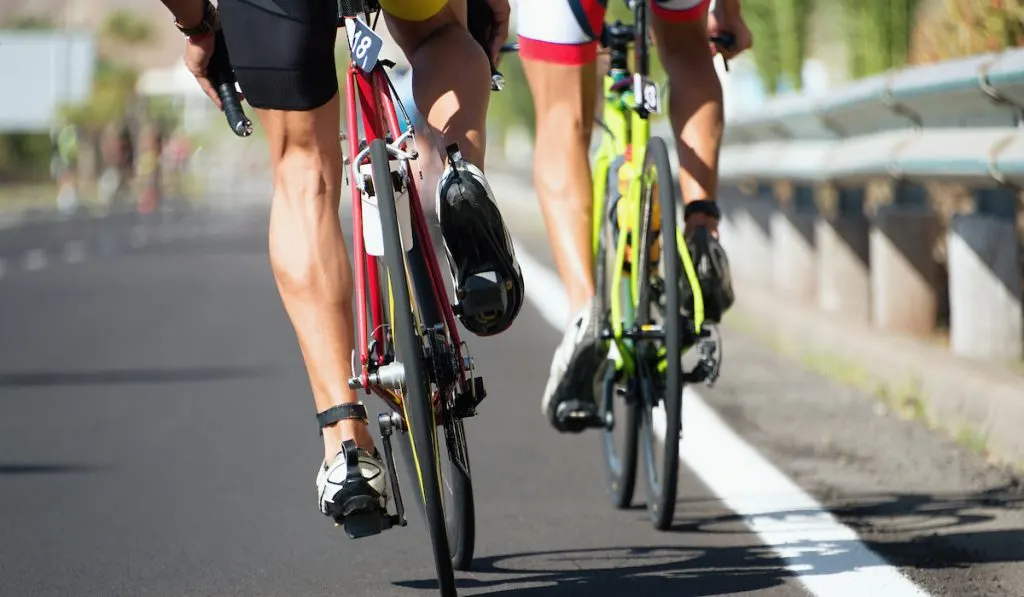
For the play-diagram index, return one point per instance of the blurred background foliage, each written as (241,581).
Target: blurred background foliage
(857,38)
(112,103)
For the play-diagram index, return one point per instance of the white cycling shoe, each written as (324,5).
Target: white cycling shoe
(569,399)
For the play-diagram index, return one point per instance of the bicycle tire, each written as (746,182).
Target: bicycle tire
(619,465)
(419,412)
(667,389)
(460,518)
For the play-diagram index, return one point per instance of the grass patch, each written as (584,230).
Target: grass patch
(904,397)
(974,440)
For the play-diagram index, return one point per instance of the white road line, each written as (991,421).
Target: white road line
(35,259)
(74,251)
(827,556)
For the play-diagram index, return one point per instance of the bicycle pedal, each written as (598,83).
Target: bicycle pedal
(465,402)
(574,416)
(365,523)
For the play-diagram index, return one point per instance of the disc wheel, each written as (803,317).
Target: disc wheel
(659,360)
(412,350)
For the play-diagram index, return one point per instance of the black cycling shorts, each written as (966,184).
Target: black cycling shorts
(282,51)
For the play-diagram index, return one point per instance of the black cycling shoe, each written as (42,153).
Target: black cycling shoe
(488,283)
(713,275)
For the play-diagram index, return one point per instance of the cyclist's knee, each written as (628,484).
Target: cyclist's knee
(301,179)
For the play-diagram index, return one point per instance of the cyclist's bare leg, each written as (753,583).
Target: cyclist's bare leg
(308,255)
(563,99)
(454,100)
(695,106)
(455,105)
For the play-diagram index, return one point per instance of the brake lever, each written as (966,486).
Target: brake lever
(725,41)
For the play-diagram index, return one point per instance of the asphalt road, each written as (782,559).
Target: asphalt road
(157,438)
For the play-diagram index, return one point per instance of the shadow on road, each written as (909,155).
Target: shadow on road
(916,530)
(18,469)
(617,571)
(130,376)
(908,530)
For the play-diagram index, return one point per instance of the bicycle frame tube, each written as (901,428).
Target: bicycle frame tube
(370,96)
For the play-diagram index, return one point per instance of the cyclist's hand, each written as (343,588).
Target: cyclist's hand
(197,56)
(726,19)
(499,29)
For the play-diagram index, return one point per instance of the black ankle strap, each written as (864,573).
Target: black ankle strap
(705,207)
(340,413)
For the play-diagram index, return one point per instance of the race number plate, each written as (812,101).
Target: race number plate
(646,93)
(363,44)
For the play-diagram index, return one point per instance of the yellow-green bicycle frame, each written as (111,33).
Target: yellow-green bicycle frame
(626,134)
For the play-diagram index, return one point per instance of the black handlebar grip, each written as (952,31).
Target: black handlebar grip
(480,23)
(223,78)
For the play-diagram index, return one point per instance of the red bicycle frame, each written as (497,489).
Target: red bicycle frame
(372,92)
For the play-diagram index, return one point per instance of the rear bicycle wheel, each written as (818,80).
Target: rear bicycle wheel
(659,361)
(457,485)
(618,444)
(411,349)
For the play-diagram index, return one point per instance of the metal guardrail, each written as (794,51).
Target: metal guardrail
(959,120)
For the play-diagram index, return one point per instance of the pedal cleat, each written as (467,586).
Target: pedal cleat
(465,402)
(487,278)
(358,500)
(357,505)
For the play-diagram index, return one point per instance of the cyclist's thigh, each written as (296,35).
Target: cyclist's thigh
(412,22)
(680,11)
(680,27)
(282,51)
(560,31)
(413,10)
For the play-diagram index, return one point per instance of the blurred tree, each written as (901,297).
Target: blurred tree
(113,90)
(113,99)
(965,27)
(877,34)
(760,18)
(791,19)
(780,28)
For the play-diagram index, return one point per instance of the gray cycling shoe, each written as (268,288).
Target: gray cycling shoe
(569,398)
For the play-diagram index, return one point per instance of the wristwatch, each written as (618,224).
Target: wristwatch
(206,26)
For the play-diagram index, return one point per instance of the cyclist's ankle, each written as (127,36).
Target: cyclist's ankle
(580,299)
(335,434)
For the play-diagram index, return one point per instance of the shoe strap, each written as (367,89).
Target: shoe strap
(351,459)
(341,412)
(705,207)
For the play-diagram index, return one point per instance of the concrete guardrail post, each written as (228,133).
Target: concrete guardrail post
(746,233)
(904,272)
(794,260)
(986,317)
(844,275)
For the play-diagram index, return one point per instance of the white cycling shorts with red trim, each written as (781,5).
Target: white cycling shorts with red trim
(567,31)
